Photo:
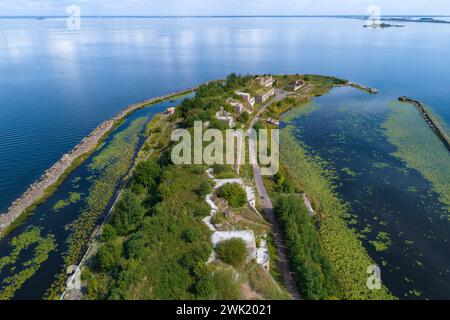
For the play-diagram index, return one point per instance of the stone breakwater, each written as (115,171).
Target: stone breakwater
(362,87)
(430,120)
(51,176)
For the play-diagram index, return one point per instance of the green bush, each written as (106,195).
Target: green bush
(222,171)
(202,210)
(128,213)
(205,288)
(109,233)
(218,218)
(234,194)
(204,189)
(136,247)
(147,174)
(233,252)
(108,257)
(314,275)
(195,256)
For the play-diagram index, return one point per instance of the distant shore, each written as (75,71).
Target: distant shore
(44,186)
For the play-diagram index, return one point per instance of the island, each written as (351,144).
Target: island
(137,223)
(383,25)
(222,231)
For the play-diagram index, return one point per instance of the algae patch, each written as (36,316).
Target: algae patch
(419,148)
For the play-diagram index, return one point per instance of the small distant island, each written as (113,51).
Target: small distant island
(421,19)
(383,26)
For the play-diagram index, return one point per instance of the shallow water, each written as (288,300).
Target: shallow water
(345,130)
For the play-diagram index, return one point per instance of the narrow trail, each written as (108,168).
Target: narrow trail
(283,263)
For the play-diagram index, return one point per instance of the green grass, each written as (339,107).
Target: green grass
(264,284)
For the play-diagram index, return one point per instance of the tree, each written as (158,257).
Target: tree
(128,213)
(108,257)
(148,174)
(136,247)
(233,252)
(109,233)
(234,194)
(314,275)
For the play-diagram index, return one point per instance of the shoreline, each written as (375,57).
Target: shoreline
(39,190)
(429,119)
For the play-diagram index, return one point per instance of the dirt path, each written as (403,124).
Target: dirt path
(283,262)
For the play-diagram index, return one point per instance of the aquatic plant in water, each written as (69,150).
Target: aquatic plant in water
(419,148)
(41,248)
(74,197)
(350,259)
(109,167)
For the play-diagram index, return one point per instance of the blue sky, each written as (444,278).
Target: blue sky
(222,7)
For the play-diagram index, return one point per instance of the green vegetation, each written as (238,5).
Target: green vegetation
(382,242)
(74,197)
(155,244)
(146,174)
(419,148)
(204,189)
(163,256)
(222,171)
(341,244)
(226,285)
(243,117)
(16,280)
(110,166)
(109,233)
(314,275)
(41,248)
(218,218)
(234,194)
(128,213)
(264,284)
(233,251)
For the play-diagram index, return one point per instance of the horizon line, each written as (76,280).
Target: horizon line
(227,16)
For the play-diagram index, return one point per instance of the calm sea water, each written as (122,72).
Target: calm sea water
(56,222)
(56,85)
